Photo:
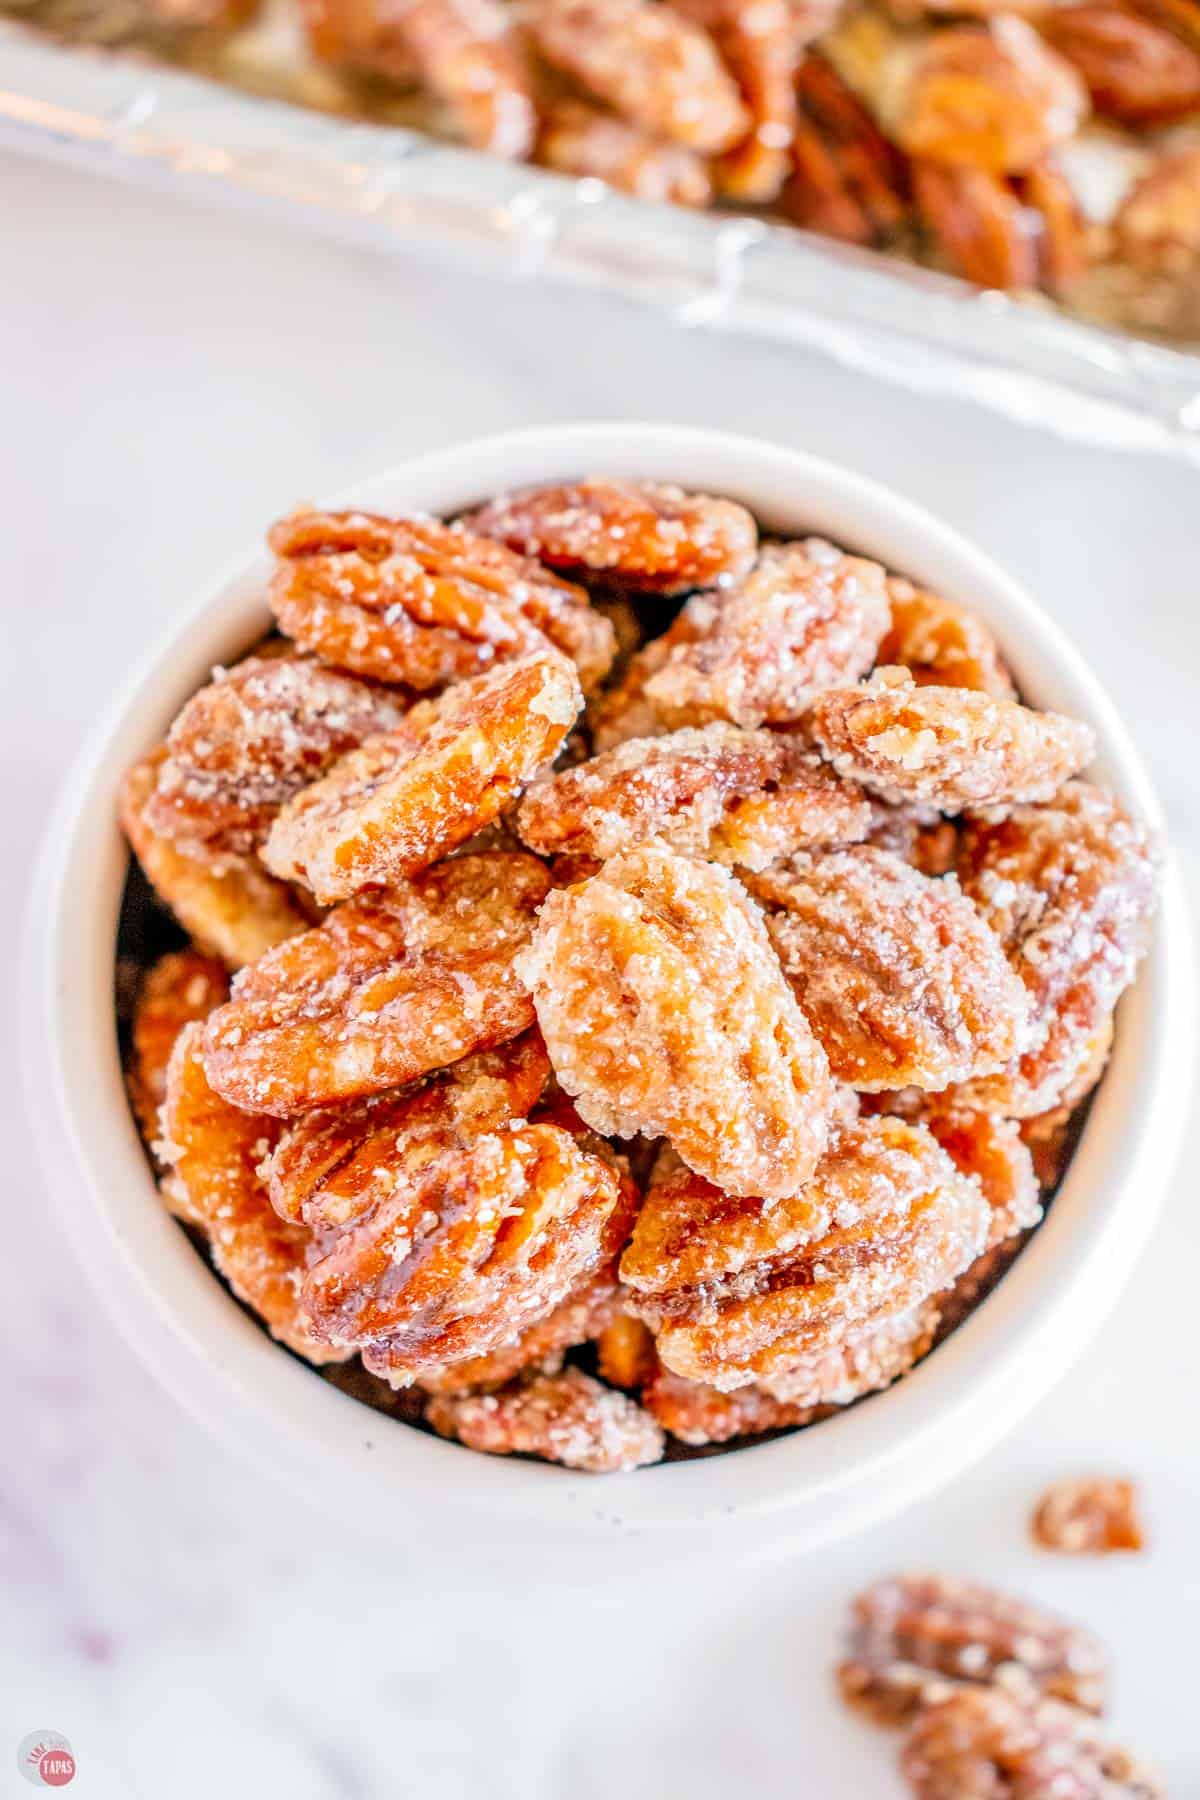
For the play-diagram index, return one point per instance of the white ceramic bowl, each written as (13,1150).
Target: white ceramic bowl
(808,1487)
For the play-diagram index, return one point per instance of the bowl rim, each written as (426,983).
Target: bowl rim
(816,1485)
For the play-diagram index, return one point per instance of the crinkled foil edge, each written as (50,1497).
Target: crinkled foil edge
(396,189)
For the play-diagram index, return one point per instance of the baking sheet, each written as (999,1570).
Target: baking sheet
(400,190)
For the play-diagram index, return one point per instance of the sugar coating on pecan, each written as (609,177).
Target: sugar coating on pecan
(181,986)
(806,617)
(941,643)
(915,1638)
(899,976)
(422,604)
(996,1744)
(568,1418)
(256,735)
(217,1157)
(237,911)
(734,796)
(404,799)
(906,1223)
(384,990)
(1088,1516)
(665,1012)
(648,536)
(332,1164)
(951,748)
(649,63)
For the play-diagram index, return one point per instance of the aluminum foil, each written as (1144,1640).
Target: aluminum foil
(397,188)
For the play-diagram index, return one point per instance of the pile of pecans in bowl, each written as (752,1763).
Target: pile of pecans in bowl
(641,979)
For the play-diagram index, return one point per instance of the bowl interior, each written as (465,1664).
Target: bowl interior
(826,1480)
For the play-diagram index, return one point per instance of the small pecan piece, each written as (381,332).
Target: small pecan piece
(580,140)
(915,1638)
(906,1223)
(1088,1517)
(568,1418)
(625,1353)
(665,1012)
(806,617)
(236,911)
(995,97)
(217,1183)
(990,1744)
(652,65)
(648,536)
(734,796)
(421,603)
(949,748)
(182,986)
(384,991)
(402,800)
(255,736)
(899,976)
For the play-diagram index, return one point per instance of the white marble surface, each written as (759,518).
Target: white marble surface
(173,378)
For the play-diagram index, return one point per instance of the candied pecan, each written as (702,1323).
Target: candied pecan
(994,97)
(991,1744)
(362,36)
(649,536)
(1069,887)
(915,1638)
(942,644)
(590,1310)
(467,52)
(1088,1516)
(217,1156)
(624,711)
(898,975)
(625,1353)
(806,617)
(978,223)
(947,747)
(906,1223)
(181,986)
(651,64)
(333,1164)
(1135,70)
(1062,1068)
(580,140)
(992,1150)
(421,603)
(568,1418)
(383,991)
(734,796)
(1157,227)
(690,1233)
(760,46)
(464,1247)
(1065,243)
(864,1364)
(847,180)
(400,801)
(245,744)
(236,911)
(665,1012)
(697,1414)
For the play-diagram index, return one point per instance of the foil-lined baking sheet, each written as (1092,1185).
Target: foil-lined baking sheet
(397,188)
